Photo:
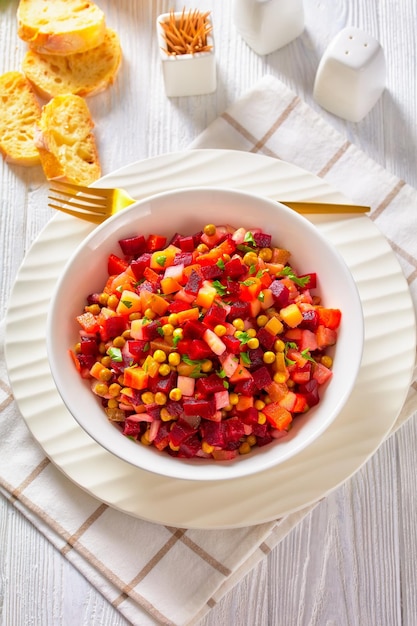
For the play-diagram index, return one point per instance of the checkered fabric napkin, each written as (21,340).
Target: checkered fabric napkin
(173,575)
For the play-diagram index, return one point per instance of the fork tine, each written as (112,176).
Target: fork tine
(61,187)
(87,202)
(95,218)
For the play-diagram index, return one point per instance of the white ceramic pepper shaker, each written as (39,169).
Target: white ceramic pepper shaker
(267,25)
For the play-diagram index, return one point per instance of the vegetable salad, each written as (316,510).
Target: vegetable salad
(207,345)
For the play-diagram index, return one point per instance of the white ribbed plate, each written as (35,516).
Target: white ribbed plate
(357,432)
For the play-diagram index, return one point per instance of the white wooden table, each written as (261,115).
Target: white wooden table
(353,560)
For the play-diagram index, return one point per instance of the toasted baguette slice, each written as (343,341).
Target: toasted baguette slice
(83,73)
(65,141)
(19,113)
(60,27)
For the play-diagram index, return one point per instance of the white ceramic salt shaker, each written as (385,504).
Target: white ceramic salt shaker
(351,75)
(186,74)
(267,25)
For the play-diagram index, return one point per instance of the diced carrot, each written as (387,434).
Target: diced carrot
(88,322)
(188,314)
(278,416)
(96,370)
(151,275)
(75,360)
(276,391)
(244,403)
(135,377)
(241,373)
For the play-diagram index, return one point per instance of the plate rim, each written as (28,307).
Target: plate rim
(199,158)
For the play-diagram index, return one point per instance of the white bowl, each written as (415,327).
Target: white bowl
(186,211)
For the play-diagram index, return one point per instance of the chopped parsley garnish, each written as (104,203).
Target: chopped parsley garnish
(221,289)
(128,303)
(288,272)
(245,358)
(243,337)
(196,364)
(220,264)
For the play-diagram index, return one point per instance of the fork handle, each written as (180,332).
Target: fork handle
(325,207)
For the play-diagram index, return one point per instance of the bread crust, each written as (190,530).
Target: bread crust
(66,142)
(84,73)
(60,27)
(19,113)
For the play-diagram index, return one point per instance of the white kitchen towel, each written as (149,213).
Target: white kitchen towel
(171,575)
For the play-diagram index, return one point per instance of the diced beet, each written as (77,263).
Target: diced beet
(310,391)
(262,377)
(250,416)
(234,429)
(86,360)
(280,293)
(266,339)
(112,327)
(198,349)
(232,344)
(174,408)
(189,447)
(255,356)
(246,387)
(178,305)
(195,406)
(138,347)
(133,246)
(260,430)
(186,244)
(262,240)
(132,428)
(146,286)
(88,346)
(93,298)
(233,287)
(263,440)
(193,283)
(183,258)
(238,309)
(166,383)
(213,433)
(215,315)
(197,238)
(175,240)
(150,330)
(138,265)
(193,329)
(210,272)
(235,268)
(210,384)
(161,440)
(310,320)
(153,410)
(180,431)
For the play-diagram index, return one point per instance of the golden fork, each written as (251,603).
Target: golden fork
(97,204)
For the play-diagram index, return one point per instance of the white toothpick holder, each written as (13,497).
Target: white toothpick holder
(267,25)
(351,75)
(186,74)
